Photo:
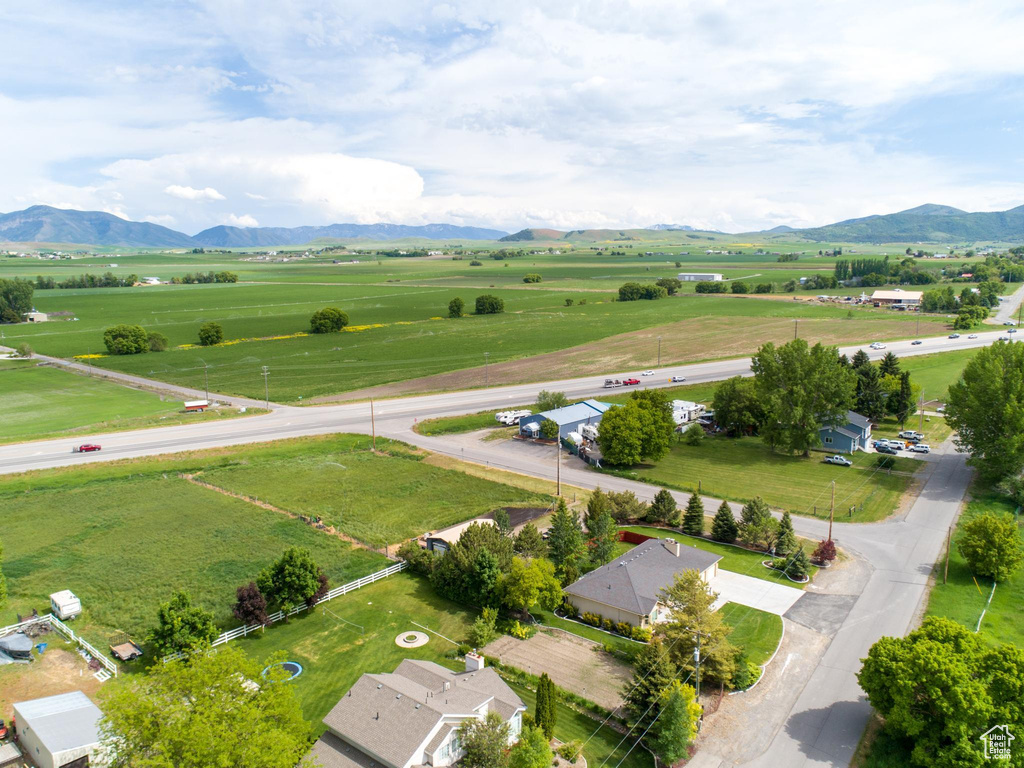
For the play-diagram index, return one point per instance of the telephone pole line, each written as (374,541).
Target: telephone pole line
(373,426)
(487,374)
(832,510)
(659,351)
(266,386)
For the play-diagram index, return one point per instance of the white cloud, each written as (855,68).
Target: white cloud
(191,193)
(245,220)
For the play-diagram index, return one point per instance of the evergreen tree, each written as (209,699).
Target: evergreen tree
(798,565)
(890,365)
(546,713)
(653,672)
(757,526)
(663,509)
(724,526)
(869,399)
(603,532)
(902,404)
(677,727)
(693,521)
(860,359)
(567,547)
(785,537)
(529,542)
(502,520)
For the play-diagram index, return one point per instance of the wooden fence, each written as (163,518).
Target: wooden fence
(344,589)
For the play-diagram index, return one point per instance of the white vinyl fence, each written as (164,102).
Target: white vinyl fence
(344,589)
(69,633)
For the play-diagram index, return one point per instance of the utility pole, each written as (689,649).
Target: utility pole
(373,426)
(659,351)
(920,424)
(487,376)
(1019,310)
(558,466)
(266,386)
(832,510)
(918,331)
(796,324)
(696,659)
(945,572)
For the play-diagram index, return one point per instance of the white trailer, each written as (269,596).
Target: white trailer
(65,604)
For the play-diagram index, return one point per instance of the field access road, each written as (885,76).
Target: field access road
(1007,310)
(391,415)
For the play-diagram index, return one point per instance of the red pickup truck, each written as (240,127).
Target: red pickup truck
(87,448)
(630,382)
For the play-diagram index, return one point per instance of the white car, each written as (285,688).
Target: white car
(647,373)
(973,336)
(920,448)
(676,379)
(840,460)
(878,345)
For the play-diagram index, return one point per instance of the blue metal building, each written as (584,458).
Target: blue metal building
(568,419)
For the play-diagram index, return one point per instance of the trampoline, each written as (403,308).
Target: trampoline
(293,668)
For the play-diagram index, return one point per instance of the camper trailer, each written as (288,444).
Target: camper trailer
(65,605)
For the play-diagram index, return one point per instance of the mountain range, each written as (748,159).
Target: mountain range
(926,223)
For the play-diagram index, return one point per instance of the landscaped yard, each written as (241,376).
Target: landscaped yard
(758,633)
(741,468)
(963,600)
(736,559)
(43,402)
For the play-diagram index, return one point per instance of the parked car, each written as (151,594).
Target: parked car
(647,373)
(921,448)
(885,448)
(86,448)
(941,409)
(915,342)
(842,461)
(954,335)
(973,336)
(678,378)
(910,434)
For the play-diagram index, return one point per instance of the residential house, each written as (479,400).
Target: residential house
(854,435)
(629,588)
(411,717)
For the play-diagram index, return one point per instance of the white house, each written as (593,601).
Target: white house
(700,277)
(60,730)
(411,717)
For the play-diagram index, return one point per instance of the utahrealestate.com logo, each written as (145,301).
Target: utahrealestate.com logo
(997,742)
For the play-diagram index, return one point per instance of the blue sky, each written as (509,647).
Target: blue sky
(726,115)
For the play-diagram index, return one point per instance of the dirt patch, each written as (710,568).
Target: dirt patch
(58,670)
(575,664)
(687,341)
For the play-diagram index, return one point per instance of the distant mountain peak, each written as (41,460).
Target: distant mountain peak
(671,228)
(931,209)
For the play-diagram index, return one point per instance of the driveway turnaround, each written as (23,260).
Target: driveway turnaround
(753,593)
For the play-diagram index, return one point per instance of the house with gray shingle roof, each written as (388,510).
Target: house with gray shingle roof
(629,587)
(854,435)
(411,717)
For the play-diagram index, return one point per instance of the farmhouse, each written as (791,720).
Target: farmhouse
(700,277)
(896,298)
(852,436)
(411,717)
(629,588)
(36,317)
(60,730)
(569,419)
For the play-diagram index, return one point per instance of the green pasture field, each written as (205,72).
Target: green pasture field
(39,402)
(935,373)
(963,597)
(736,559)
(376,499)
(740,468)
(397,333)
(124,535)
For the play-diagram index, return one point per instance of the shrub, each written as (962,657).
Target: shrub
(590,618)
(456,307)
(210,333)
(157,341)
(797,565)
(420,560)
(582,302)
(570,610)
(328,320)
(522,631)
(608,625)
(549,429)
(483,631)
(570,750)
(825,552)
(740,287)
(764,288)
(568,302)
(885,462)
(643,634)
(250,605)
(624,628)
(24,350)
(475,263)
(533,277)
(708,286)
(126,340)
(489,305)
(637,291)
(692,435)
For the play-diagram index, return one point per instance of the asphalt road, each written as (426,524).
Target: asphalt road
(391,415)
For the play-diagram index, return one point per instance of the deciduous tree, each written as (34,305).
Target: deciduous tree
(532,750)
(489,305)
(737,408)
(212,710)
(484,742)
(3,579)
(126,340)
(549,401)
(991,545)
(210,333)
(250,605)
(676,728)
(456,307)
(328,320)
(690,602)
(182,627)
(526,584)
(290,581)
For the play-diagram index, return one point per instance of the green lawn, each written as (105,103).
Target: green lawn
(934,373)
(373,498)
(734,559)
(40,401)
(758,633)
(741,468)
(963,600)
(450,425)
(124,535)
(603,745)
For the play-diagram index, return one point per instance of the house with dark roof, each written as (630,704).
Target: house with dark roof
(854,435)
(629,588)
(411,717)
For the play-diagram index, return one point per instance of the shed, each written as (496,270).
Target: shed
(60,730)
(36,317)
(65,604)
(569,419)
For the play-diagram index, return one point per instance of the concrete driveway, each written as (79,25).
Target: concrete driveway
(754,593)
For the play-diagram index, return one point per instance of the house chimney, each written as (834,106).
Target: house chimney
(674,547)
(474,662)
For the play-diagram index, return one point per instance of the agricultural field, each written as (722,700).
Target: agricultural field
(396,308)
(740,468)
(40,401)
(124,535)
